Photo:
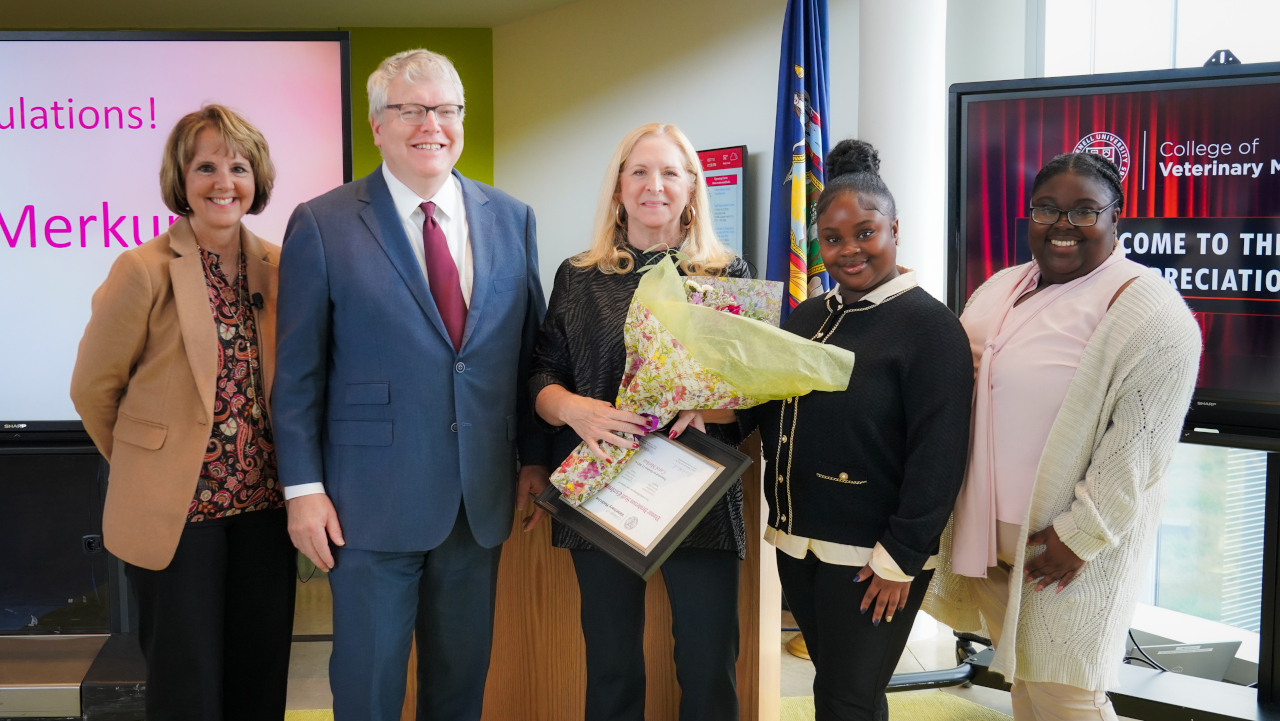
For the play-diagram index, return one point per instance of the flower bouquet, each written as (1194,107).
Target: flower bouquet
(698,344)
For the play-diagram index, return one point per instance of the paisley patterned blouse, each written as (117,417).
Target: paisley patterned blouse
(239,471)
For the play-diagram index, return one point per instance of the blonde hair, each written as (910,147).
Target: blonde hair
(416,66)
(238,136)
(706,255)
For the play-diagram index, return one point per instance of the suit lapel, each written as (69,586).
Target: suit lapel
(480,227)
(263,274)
(195,317)
(380,218)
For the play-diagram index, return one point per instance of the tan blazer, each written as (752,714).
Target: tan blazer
(145,378)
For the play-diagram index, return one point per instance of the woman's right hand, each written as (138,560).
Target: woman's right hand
(594,421)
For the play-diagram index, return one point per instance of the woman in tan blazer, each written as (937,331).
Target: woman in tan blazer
(171,381)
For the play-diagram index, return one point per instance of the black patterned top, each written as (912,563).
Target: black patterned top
(239,470)
(581,348)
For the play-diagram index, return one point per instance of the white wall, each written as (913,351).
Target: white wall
(986,40)
(902,111)
(570,82)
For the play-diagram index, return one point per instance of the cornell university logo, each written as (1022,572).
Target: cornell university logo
(1109,146)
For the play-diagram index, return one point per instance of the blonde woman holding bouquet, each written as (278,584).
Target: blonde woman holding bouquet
(861,481)
(654,202)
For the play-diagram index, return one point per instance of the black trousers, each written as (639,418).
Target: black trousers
(217,623)
(853,659)
(702,586)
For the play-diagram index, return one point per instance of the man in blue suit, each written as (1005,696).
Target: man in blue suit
(408,305)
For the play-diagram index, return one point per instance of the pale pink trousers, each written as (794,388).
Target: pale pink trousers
(1032,701)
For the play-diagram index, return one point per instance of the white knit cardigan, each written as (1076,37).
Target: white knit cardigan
(1099,484)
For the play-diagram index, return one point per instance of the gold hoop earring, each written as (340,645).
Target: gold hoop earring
(619,219)
(693,217)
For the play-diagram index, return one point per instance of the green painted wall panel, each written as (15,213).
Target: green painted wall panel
(470,49)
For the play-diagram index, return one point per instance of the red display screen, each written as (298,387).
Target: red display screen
(1201,174)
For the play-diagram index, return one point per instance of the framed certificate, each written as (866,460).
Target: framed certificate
(657,499)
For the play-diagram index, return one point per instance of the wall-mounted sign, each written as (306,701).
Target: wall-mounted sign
(724,169)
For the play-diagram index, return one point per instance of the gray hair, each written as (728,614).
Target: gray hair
(416,66)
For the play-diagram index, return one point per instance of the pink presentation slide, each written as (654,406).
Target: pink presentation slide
(82,128)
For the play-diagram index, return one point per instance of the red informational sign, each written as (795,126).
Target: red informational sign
(722,159)
(723,169)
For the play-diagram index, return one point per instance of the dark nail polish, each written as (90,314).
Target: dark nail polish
(875,622)
(863,610)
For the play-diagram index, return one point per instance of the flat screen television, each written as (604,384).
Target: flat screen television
(1199,152)
(84,117)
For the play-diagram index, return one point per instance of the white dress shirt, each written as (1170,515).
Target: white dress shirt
(451,214)
(840,554)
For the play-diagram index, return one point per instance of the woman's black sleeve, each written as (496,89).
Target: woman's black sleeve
(937,394)
(552,364)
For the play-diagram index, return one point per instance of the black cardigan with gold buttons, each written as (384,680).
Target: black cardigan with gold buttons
(883,460)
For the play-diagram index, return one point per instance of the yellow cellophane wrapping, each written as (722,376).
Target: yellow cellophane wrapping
(760,361)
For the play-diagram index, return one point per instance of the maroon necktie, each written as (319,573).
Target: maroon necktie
(442,275)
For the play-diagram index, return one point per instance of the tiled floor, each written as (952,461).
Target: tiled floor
(937,651)
(309,676)
(925,654)
(309,666)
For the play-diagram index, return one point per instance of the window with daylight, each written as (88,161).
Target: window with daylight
(1084,37)
(1208,560)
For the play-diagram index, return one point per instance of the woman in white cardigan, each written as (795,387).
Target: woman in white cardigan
(1085,365)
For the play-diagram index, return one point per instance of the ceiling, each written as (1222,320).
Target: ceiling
(264,14)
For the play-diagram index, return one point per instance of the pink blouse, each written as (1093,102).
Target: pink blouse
(1024,359)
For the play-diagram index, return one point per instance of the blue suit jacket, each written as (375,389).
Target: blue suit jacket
(370,396)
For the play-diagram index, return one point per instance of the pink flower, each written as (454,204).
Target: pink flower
(734,309)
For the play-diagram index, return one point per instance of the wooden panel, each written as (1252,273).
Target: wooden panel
(538,668)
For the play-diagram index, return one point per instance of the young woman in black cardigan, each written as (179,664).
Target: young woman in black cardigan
(860,483)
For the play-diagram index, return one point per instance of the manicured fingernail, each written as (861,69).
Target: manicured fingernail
(863,610)
(889,619)
(875,622)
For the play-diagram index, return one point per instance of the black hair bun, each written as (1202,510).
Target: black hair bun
(852,156)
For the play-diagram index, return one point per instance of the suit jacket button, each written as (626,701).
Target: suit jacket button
(454,427)
(460,367)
